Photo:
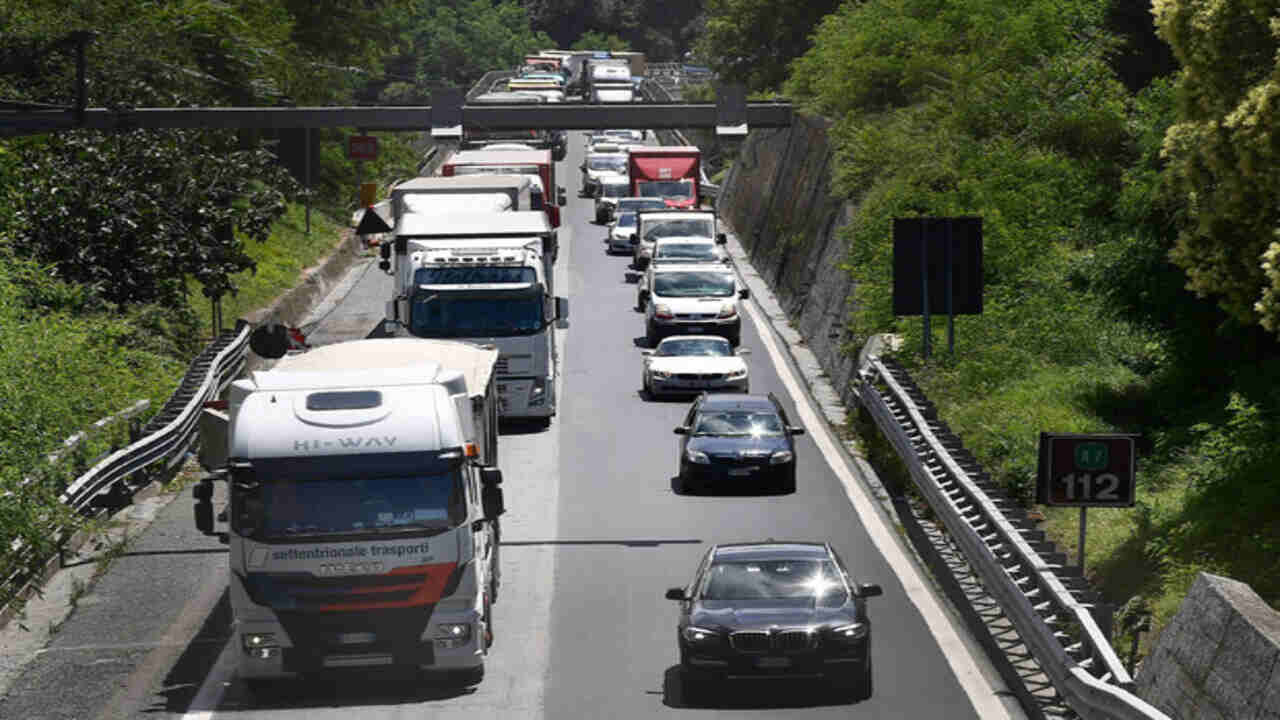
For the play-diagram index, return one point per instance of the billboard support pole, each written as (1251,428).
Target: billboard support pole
(1083,525)
(924,282)
(951,316)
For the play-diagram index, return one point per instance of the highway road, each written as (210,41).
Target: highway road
(595,532)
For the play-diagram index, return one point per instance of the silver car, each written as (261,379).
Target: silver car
(694,363)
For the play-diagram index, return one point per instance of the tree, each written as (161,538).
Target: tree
(1224,153)
(459,42)
(754,41)
(592,40)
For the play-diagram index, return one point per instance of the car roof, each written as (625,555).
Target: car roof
(735,401)
(772,551)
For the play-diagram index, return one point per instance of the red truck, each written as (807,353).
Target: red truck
(536,163)
(669,172)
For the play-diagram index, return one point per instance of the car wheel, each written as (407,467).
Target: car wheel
(789,483)
(465,678)
(856,688)
(651,335)
(695,684)
(734,339)
(640,301)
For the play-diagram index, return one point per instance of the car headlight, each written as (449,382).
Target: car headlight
(697,635)
(780,457)
(659,374)
(453,635)
(257,641)
(697,456)
(728,311)
(850,633)
(736,374)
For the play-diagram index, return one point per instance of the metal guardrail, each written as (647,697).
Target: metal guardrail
(170,433)
(1058,629)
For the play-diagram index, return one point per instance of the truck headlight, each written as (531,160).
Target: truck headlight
(538,392)
(697,456)
(453,635)
(781,457)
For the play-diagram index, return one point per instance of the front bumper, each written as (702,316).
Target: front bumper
(516,399)
(752,471)
(677,385)
(619,244)
(818,663)
(724,327)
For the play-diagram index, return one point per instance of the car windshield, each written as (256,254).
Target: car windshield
(607,164)
(817,581)
(436,315)
(615,190)
(627,219)
(697,347)
(358,494)
(693,283)
(685,252)
(737,423)
(682,227)
(667,189)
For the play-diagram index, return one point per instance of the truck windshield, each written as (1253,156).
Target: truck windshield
(444,315)
(684,227)
(693,284)
(615,190)
(666,188)
(355,494)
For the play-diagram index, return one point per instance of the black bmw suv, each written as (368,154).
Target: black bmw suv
(774,609)
(737,439)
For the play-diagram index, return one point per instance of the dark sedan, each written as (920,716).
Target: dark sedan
(774,610)
(737,439)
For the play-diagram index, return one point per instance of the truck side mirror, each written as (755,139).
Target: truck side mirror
(722,239)
(203,493)
(491,501)
(744,293)
(490,476)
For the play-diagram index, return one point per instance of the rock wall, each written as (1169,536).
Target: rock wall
(1219,658)
(777,198)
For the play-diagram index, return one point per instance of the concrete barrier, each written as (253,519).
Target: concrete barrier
(1219,659)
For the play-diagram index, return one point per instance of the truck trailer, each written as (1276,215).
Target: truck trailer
(364,498)
(535,163)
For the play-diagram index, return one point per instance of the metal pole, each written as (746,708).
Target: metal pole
(1084,523)
(924,283)
(306,173)
(951,317)
(81,85)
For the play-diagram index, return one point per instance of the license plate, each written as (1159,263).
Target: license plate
(356,638)
(738,472)
(773,662)
(693,330)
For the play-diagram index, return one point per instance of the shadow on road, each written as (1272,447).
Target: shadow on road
(627,543)
(748,694)
(346,689)
(726,490)
(196,662)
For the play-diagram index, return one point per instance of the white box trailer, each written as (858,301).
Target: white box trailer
(519,189)
(363,508)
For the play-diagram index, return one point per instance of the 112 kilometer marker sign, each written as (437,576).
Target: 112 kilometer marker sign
(1086,470)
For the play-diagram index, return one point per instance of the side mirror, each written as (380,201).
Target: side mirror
(635,239)
(675,594)
(562,308)
(203,493)
(562,200)
(795,430)
(682,430)
(646,353)
(867,590)
(490,476)
(583,167)
(384,251)
(742,351)
(722,239)
(744,293)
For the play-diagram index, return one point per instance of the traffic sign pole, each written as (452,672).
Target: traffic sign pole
(1083,525)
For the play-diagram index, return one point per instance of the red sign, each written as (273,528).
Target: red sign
(362,147)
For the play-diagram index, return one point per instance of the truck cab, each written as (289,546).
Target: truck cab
(651,225)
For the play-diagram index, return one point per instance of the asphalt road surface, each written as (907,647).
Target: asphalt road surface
(595,532)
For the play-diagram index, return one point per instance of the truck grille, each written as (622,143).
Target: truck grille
(500,367)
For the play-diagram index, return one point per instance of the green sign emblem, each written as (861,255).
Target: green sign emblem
(1091,456)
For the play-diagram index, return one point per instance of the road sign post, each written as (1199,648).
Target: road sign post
(945,254)
(1086,471)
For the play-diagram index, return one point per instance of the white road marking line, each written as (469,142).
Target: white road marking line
(981,694)
(209,697)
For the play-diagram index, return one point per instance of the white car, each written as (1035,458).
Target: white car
(693,364)
(620,232)
(610,189)
(690,299)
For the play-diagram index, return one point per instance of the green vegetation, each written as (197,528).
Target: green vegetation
(1114,187)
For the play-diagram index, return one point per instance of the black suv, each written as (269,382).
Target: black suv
(774,609)
(732,438)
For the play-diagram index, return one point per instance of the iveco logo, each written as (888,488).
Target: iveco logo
(372,567)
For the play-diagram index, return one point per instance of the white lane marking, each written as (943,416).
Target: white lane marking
(209,697)
(981,694)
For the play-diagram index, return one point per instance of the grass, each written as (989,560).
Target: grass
(281,260)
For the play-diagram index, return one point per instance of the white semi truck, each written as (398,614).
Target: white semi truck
(487,278)
(364,499)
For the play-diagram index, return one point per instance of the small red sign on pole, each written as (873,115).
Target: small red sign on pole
(362,147)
